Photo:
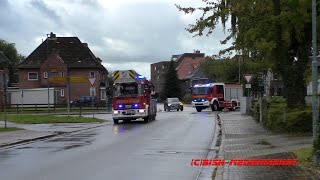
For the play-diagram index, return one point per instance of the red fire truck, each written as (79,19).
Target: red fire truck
(217,96)
(133,97)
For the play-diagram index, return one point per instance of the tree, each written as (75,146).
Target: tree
(10,51)
(274,31)
(172,83)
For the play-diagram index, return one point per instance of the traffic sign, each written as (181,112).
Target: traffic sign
(248,86)
(78,79)
(248,78)
(57,79)
(92,80)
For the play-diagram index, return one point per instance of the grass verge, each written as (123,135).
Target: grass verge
(2,129)
(305,158)
(38,119)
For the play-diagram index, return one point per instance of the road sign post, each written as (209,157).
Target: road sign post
(248,78)
(92,80)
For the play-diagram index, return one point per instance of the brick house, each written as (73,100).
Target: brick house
(158,74)
(188,62)
(56,57)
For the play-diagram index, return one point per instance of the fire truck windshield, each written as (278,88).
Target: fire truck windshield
(124,90)
(200,90)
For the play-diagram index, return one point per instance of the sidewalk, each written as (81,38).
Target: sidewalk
(242,137)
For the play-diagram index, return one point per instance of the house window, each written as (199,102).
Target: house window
(45,75)
(92,91)
(103,94)
(155,68)
(92,74)
(62,92)
(32,76)
(162,66)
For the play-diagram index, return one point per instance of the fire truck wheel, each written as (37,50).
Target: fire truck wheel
(115,121)
(177,109)
(146,119)
(215,106)
(199,109)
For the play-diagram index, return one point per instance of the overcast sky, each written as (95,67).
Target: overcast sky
(125,34)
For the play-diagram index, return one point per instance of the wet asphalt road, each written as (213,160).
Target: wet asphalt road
(161,149)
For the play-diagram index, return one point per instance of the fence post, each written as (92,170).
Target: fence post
(80,111)
(17,109)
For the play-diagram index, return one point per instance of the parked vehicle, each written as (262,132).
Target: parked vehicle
(173,104)
(84,101)
(133,97)
(217,96)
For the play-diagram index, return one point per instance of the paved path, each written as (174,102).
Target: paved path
(242,137)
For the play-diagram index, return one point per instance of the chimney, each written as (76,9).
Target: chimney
(197,51)
(51,43)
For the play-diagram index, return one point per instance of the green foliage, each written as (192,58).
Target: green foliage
(10,51)
(276,31)
(187,99)
(316,142)
(172,83)
(299,120)
(281,119)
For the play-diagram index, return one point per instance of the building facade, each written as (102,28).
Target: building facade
(158,74)
(53,60)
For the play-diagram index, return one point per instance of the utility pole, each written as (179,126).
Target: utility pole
(314,71)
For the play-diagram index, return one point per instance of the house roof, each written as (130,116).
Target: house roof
(3,58)
(187,65)
(71,50)
(182,56)
(196,74)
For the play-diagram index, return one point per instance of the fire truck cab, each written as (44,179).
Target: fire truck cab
(216,96)
(133,97)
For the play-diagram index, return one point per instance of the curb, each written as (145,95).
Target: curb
(27,141)
(212,152)
(219,171)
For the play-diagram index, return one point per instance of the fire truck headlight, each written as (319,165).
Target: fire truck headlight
(120,106)
(115,112)
(135,105)
(141,111)
(194,100)
(203,100)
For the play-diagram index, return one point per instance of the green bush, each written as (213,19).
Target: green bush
(256,110)
(274,120)
(187,99)
(299,120)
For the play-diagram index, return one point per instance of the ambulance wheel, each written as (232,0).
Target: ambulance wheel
(115,121)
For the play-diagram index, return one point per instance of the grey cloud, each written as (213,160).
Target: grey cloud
(44,9)
(150,32)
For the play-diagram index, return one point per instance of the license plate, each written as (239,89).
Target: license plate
(130,112)
(128,106)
